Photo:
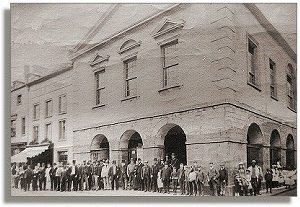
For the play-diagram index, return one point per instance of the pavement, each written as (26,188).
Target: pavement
(281,191)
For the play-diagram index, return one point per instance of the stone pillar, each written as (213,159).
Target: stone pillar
(266,158)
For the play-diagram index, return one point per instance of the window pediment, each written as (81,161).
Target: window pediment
(129,45)
(98,59)
(166,27)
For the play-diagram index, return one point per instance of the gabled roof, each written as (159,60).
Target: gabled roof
(98,35)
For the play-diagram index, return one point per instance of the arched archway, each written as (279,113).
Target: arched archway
(131,145)
(290,152)
(173,139)
(254,144)
(99,148)
(275,148)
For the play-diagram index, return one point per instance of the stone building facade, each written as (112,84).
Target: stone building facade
(210,82)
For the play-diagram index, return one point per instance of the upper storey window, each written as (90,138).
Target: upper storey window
(19,99)
(252,62)
(170,61)
(273,84)
(291,87)
(130,77)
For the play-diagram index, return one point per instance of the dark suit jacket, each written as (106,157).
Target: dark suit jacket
(110,171)
(166,173)
(146,171)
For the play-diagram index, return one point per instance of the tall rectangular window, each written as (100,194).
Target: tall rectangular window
(23,126)
(62,104)
(35,134)
(170,61)
(291,87)
(99,78)
(36,111)
(273,85)
(13,128)
(130,77)
(48,109)
(252,61)
(62,130)
(48,131)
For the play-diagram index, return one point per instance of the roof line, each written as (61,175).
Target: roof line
(120,32)
(91,33)
(272,31)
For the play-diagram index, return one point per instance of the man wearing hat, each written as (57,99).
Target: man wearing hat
(146,174)
(104,175)
(130,173)
(223,179)
(113,174)
(123,176)
(174,161)
(254,173)
(213,176)
(154,172)
(140,182)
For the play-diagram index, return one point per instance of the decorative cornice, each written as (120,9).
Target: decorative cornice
(130,47)
(176,25)
(98,59)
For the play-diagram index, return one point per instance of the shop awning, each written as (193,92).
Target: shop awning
(28,152)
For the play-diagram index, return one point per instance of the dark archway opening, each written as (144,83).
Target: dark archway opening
(290,152)
(135,145)
(254,144)
(175,143)
(275,148)
(99,148)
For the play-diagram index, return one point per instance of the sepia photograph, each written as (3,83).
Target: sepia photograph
(136,99)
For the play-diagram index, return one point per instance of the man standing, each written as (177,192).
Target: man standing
(200,181)
(130,173)
(113,174)
(53,177)
(123,175)
(146,174)
(254,173)
(139,179)
(174,161)
(165,176)
(104,175)
(181,178)
(42,177)
(212,176)
(154,171)
(223,179)
(73,176)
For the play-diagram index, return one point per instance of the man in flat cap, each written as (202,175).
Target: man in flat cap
(174,161)
(130,173)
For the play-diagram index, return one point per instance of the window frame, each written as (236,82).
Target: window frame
(127,79)
(59,130)
(98,89)
(35,134)
(273,79)
(292,77)
(46,131)
(23,125)
(47,115)
(253,74)
(60,104)
(165,68)
(36,114)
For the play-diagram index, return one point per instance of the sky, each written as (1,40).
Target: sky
(43,34)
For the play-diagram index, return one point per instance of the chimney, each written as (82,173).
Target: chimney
(26,73)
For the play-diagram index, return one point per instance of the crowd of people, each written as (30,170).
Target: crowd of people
(164,176)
